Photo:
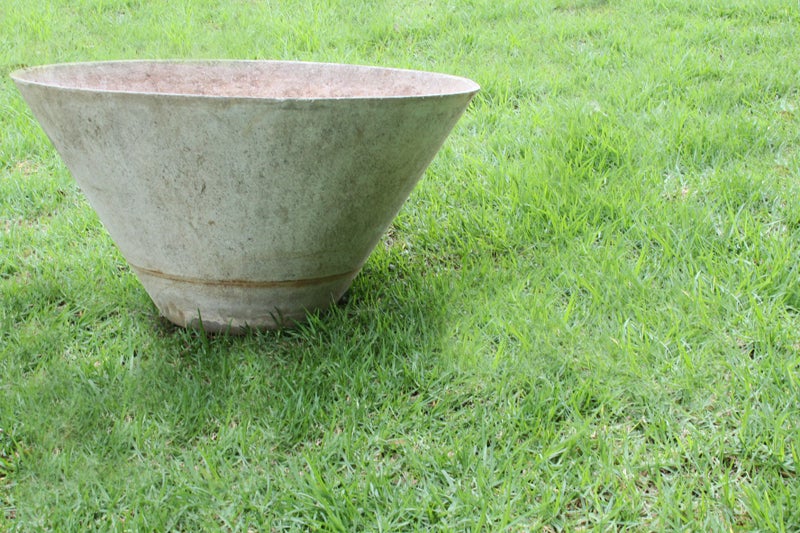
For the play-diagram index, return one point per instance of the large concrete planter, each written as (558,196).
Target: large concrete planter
(244,193)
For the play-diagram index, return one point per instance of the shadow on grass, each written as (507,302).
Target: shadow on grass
(157,390)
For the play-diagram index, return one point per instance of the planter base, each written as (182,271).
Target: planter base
(231,306)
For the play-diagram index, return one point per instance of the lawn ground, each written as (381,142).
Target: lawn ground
(587,315)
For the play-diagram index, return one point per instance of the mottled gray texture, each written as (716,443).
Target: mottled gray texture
(244,192)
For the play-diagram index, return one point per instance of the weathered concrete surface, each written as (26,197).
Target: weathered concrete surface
(244,193)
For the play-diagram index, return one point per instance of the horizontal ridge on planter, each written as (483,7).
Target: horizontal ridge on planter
(245,282)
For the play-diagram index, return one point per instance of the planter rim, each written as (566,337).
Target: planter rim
(455,85)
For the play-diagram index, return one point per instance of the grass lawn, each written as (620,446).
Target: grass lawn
(587,315)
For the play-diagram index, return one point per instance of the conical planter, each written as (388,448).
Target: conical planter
(244,193)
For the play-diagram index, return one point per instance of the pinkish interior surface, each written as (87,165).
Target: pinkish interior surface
(253,79)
